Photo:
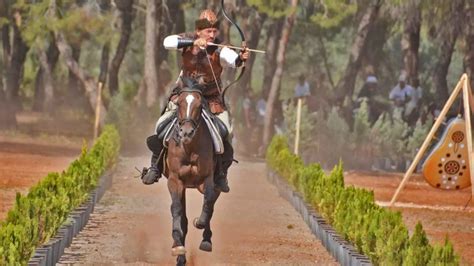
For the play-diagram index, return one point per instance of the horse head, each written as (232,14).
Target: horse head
(189,109)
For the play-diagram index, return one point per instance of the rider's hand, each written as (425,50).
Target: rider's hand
(201,43)
(244,54)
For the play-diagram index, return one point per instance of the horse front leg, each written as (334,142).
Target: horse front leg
(184,218)
(176,189)
(181,259)
(204,221)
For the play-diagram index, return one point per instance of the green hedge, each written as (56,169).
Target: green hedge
(377,232)
(37,216)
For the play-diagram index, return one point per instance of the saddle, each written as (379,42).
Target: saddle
(164,132)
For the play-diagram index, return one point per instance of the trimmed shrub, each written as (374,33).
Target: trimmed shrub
(444,255)
(36,217)
(419,250)
(377,232)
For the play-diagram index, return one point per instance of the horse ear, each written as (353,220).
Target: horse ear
(187,82)
(200,83)
(180,82)
(200,80)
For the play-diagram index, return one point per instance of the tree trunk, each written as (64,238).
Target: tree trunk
(252,24)
(47,81)
(214,4)
(373,60)
(74,84)
(469,49)
(104,65)
(449,32)
(177,15)
(274,34)
(165,24)
(228,74)
(15,70)
(126,10)
(275,85)
(225,24)
(324,55)
(7,113)
(52,58)
(5,43)
(7,110)
(234,92)
(345,86)
(176,8)
(411,39)
(151,81)
(252,42)
(89,84)
(270,64)
(44,88)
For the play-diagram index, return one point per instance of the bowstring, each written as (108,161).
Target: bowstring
(213,73)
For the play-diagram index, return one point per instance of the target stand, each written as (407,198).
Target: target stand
(468,101)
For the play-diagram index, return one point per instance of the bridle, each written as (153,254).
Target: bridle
(195,123)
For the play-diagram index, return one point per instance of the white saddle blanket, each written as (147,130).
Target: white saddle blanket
(216,137)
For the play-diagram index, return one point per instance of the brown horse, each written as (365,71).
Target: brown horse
(190,163)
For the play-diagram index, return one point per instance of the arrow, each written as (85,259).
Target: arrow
(236,47)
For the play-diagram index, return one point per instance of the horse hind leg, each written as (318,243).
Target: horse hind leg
(204,221)
(206,244)
(210,197)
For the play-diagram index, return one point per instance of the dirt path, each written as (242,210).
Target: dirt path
(251,225)
(23,162)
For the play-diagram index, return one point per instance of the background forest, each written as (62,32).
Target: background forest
(55,53)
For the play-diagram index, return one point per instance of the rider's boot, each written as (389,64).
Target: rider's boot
(226,160)
(153,174)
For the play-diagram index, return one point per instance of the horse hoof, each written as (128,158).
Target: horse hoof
(197,224)
(179,250)
(206,246)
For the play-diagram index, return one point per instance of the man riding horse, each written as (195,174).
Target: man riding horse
(204,60)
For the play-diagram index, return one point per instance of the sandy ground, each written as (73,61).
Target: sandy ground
(442,213)
(25,161)
(251,225)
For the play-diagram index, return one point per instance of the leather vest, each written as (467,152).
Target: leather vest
(198,65)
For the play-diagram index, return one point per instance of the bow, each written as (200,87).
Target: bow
(244,44)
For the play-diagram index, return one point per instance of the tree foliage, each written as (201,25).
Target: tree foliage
(273,8)
(331,14)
